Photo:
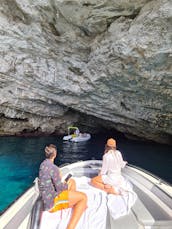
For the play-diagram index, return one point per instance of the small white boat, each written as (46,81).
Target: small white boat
(74,135)
(152,209)
(81,137)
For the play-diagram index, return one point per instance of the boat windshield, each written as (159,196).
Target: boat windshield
(72,130)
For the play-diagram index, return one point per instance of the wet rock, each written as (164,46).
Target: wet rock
(109,60)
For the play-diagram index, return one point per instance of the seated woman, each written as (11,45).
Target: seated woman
(56,194)
(110,178)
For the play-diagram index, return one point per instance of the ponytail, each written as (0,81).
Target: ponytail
(107,148)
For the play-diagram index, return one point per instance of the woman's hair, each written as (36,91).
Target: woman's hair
(107,148)
(50,151)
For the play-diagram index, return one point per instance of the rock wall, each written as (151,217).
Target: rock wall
(109,61)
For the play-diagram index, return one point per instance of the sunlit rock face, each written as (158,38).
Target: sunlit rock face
(107,61)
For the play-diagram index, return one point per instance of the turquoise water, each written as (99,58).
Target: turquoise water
(20,158)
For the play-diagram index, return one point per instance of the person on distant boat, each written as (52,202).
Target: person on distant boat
(110,178)
(57,195)
(77,132)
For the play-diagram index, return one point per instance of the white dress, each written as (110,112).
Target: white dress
(111,169)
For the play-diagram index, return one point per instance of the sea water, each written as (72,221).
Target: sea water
(20,158)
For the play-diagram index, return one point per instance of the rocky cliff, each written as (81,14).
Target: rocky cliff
(94,63)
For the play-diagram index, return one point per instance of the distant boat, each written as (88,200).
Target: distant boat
(152,208)
(74,135)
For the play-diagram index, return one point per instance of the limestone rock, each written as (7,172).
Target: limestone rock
(109,61)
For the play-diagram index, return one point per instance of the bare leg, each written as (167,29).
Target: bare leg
(78,201)
(98,183)
(71,184)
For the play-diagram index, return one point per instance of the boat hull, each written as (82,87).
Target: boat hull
(80,138)
(153,208)
(67,137)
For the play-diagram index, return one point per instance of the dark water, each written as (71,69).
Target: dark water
(20,158)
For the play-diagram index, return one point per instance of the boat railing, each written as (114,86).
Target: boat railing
(159,180)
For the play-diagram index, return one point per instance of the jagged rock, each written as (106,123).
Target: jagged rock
(109,61)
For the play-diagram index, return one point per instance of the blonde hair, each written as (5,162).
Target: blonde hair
(50,151)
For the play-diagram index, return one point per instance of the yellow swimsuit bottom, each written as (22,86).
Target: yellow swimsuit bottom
(60,202)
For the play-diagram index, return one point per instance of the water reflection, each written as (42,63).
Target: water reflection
(73,151)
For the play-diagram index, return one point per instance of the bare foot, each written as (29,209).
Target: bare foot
(109,189)
(107,186)
(112,191)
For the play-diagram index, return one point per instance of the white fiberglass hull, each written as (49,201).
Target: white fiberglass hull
(153,208)
(80,138)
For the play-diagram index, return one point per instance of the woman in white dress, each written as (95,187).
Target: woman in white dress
(110,179)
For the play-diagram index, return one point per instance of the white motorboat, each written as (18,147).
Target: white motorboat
(74,135)
(81,137)
(152,208)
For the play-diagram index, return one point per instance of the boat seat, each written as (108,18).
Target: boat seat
(88,172)
(137,218)
(125,222)
(142,214)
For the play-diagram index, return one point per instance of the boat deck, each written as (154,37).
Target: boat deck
(152,209)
